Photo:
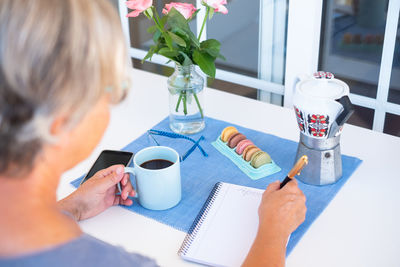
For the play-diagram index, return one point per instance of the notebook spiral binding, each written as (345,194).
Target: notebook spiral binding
(199,220)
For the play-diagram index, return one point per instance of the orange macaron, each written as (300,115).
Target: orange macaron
(227,133)
(249,151)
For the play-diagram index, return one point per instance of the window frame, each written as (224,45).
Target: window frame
(232,77)
(302,54)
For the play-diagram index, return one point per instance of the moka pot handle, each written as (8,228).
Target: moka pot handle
(348,110)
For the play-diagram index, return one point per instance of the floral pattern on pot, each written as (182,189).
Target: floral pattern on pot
(318,125)
(300,119)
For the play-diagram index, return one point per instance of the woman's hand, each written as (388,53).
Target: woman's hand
(281,211)
(99,193)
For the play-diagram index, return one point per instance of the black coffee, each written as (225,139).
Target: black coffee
(156,164)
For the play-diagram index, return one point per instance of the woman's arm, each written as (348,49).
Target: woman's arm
(281,211)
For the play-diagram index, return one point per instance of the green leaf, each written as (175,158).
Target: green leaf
(166,52)
(205,62)
(211,47)
(163,20)
(221,57)
(181,34)
(177,21)
(147,14)
(194,40)
(211,53)
(149,11)
(194,14)
(149,54)
(187,61)
(168,40)
(210,43)
(156,36)
(152,29)
(177,39)
(158,47)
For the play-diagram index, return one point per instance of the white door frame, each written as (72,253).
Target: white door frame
(303,39)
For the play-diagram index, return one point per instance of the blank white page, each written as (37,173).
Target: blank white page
(226,235)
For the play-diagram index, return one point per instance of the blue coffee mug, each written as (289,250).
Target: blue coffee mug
(157,189)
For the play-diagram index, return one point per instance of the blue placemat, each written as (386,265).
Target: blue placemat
(200,174)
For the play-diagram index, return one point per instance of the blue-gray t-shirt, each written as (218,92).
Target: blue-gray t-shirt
(81,252)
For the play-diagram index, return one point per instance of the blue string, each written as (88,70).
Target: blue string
(172,135)
(152,137)
(192,148)
(175,135)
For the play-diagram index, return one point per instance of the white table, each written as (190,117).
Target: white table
(360,227)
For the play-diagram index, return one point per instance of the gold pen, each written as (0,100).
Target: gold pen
(300,164)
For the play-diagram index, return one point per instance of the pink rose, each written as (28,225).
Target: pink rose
(139,6)
(185,9)
(218,5)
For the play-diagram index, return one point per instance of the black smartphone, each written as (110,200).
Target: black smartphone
(108,158)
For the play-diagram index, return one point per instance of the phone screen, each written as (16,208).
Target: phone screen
(108,158)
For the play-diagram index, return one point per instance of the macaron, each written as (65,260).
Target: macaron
(249,151)
(260,158)
(242,145)
(227,133)
(235,139)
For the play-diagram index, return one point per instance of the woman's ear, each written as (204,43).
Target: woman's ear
(58,125)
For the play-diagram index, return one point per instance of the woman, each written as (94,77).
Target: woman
(62,64)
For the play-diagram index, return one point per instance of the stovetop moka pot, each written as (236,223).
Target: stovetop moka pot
(322,106)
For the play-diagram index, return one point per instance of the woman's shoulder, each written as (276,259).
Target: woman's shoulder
(85,251)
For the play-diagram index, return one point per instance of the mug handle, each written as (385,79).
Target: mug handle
(348,110)
(131,170)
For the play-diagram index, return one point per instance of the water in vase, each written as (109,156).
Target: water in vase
(186,111)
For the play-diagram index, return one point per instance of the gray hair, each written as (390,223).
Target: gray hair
(55,56)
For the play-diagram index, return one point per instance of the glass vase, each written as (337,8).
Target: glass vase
(186,110)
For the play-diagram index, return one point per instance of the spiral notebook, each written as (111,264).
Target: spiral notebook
(224,230)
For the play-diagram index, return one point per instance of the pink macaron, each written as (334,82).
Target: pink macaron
(242,145)
(235,139)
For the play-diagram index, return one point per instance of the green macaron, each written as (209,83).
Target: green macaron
(260,158)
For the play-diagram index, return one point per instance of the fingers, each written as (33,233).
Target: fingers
(119,201)
(111,176)
(127,202)
(282,209)
(126,182)
(302,212)
(127,188)
(106,172)
(295,198)
(291,187)
(298,201)
(299,209)
(110,170)
(273,187)
(127,191)
(125,179)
